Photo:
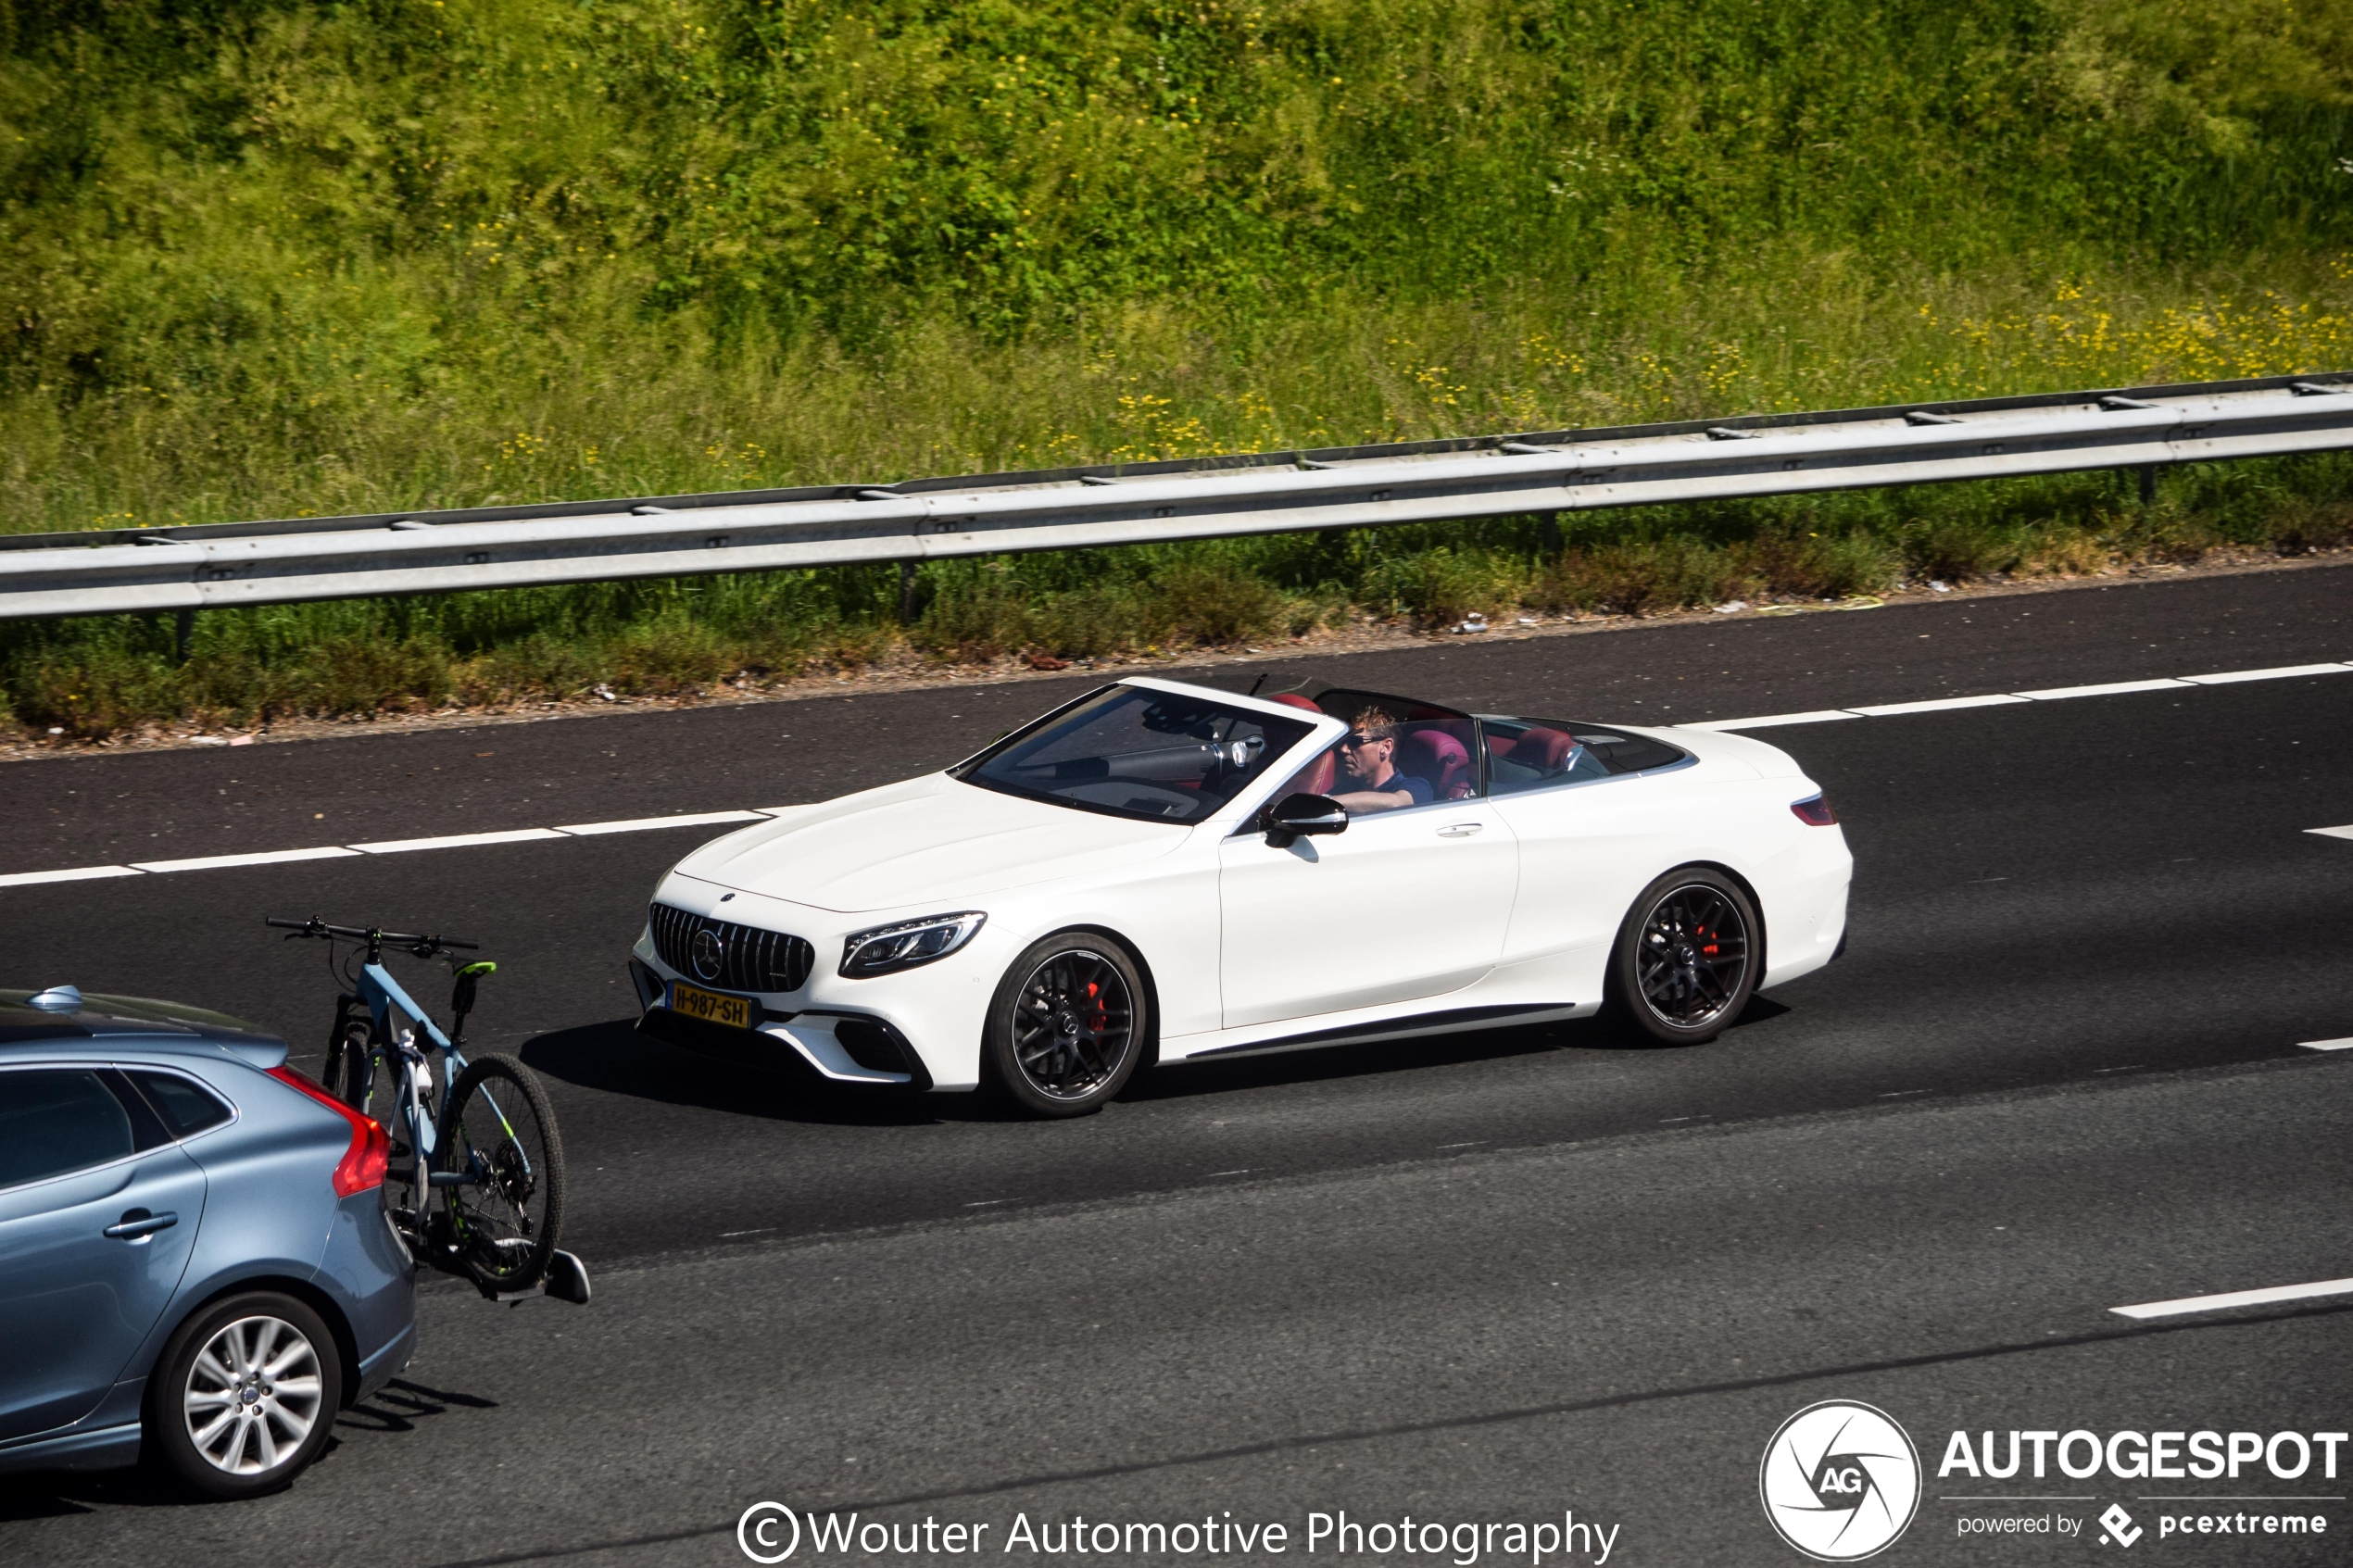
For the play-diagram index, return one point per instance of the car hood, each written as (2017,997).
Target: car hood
(930,840)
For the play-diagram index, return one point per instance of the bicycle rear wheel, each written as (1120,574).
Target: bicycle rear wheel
(498,1136)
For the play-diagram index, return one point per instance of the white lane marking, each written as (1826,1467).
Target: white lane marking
(756,1230)
(267,858)
(455,841)
(1819,716)
(1243,1172)
(2230,1299)
(79,873)
(1991,699)
(646,824)
(2346,831)
(2283,673)
(2111,688)
(2345,1045)
(1937,705)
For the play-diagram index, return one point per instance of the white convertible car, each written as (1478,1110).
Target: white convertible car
(1159,873)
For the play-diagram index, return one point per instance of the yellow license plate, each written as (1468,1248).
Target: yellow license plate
(710,1006)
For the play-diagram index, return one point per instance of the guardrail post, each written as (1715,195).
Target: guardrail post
(2149,485)
(182,634)
(906,592)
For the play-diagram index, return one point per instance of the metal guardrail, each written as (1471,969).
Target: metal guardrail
(224,565)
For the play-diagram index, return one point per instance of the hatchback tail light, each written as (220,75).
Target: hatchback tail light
(362,1165)
(1813,810)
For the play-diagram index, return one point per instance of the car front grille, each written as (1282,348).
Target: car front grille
(750,958)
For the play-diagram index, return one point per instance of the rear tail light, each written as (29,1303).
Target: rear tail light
(1814,809)
(362,1165)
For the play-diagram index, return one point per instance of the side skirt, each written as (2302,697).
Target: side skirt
(1451,1020)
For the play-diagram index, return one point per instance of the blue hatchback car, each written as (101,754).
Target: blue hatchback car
(195,1260)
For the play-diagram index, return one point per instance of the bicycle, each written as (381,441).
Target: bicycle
(482,1194)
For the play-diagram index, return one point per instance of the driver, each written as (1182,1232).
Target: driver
(1367,779)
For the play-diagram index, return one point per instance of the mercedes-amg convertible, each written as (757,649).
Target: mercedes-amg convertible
(1158,872)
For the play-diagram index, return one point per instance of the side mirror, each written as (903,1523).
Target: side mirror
(1300,816)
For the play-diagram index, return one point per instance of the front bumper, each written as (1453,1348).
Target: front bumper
(842,1048)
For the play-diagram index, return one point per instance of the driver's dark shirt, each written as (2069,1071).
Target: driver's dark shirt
(1417,788)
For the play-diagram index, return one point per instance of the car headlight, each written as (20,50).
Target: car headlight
(890,948)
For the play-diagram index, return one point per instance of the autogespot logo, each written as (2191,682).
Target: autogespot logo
(1840,1480)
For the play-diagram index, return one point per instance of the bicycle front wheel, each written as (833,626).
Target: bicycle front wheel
(506,1208)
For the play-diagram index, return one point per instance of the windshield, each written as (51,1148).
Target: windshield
(1164,757)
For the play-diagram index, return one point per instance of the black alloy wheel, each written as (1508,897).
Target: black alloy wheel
(1685,964)
(1066,1025)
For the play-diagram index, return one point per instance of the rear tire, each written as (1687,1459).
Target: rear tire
(346,1071)
(1066,1027)
(1687,958)
(498,1129)
(243,1396)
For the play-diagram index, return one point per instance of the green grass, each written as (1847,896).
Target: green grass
(298,258)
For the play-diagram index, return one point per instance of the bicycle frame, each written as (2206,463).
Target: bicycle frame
(388,1004)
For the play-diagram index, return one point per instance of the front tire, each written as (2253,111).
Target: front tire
(1067,1025)
(245,1395)
(1687,958)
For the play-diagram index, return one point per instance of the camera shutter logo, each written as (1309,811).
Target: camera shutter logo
(1840,1480)
(709,954)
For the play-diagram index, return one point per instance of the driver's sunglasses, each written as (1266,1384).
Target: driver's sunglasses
(1353,742)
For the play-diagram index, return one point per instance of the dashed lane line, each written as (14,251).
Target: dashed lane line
(706,818)
(1999,700)
(642,825)
(2107,689)
(456,841)
(77,873)
(267,858)
(2231,1298)
(1937,705)
(2345,1045)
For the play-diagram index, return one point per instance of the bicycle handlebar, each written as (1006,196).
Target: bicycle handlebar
(422,947)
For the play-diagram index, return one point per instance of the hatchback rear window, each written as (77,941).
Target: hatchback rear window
(185,1109)
(56,1121)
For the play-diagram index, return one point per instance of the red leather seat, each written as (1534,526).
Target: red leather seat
(1439,759)
(1549,750)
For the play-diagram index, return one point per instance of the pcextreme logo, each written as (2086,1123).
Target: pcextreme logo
(1840,1480)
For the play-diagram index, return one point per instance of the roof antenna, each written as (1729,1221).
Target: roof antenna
(1255,684)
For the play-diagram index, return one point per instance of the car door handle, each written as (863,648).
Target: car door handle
(138,1224)
(1459,830)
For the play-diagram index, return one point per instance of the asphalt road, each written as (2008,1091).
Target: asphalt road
(1487,1279)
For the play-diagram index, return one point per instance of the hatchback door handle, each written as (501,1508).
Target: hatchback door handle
(1459,830)
(138,1224)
